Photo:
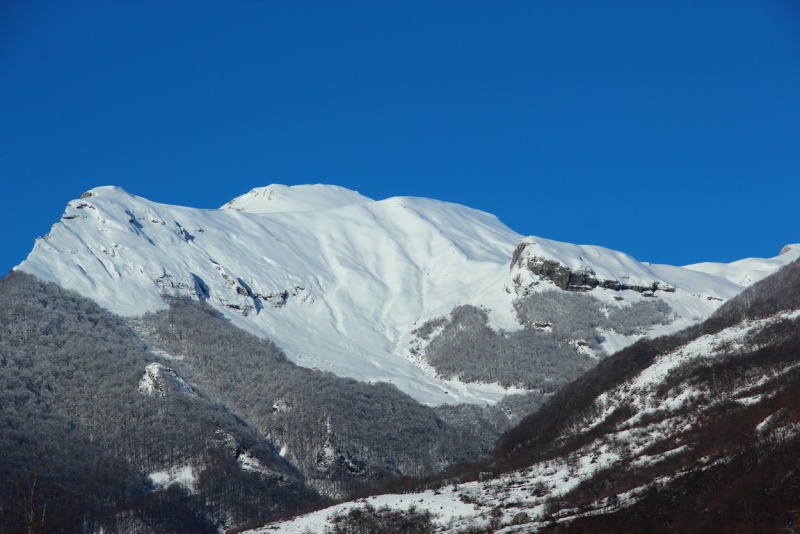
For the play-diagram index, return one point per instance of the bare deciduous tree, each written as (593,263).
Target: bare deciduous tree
(32,498)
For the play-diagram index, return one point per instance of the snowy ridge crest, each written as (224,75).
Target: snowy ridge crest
(749,270)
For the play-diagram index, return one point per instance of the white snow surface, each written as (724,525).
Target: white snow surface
(183,476)
(444,505)
(749,270)
(337,280)
(278,198)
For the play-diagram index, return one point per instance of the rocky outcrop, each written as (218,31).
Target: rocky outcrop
(235,294)
(528,270)
(158,380)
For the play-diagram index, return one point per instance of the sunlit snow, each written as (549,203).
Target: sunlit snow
(337,280)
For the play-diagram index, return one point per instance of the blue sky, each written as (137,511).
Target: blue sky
(668,130)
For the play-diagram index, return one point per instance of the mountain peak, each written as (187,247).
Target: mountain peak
(277,198)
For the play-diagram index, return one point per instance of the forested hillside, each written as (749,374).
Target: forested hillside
(340,433)
(178,421)
(73,413)
(560,340)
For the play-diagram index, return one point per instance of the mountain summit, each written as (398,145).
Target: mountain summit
(281,198)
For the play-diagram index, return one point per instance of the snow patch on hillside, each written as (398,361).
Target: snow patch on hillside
(157,379)
(248,462)
(184,476)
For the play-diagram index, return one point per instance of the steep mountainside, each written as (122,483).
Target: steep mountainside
(341,434)
(119,440)
(697,431)
(345,284)
(178,421)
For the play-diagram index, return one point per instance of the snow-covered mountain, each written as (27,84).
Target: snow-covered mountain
(341,282)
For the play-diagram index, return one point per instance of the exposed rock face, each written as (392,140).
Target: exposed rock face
(542,268)
(235,293)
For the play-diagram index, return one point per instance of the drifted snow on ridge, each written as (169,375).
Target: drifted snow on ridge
(338,281)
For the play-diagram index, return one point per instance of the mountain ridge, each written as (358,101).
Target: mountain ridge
(366,273)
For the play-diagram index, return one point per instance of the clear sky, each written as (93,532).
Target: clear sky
(666,129)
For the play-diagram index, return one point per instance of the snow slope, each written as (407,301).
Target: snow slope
(749,270)
(337,280)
